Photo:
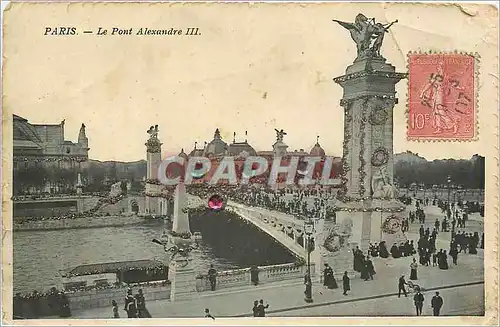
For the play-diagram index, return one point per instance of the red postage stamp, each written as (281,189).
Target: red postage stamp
(442,96)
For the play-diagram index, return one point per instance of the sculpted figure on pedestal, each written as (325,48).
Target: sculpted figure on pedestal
(367,34)
(381,186)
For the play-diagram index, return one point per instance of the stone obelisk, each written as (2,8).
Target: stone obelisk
(181,272)
(367,197)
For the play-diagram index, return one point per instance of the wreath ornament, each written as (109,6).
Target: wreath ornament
(380,157)
(391,225)
(378,116)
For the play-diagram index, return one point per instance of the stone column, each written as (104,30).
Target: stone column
(368,101)
(153,146)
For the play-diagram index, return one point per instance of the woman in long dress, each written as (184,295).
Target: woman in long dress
(413,270)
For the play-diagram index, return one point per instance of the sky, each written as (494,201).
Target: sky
(254,68)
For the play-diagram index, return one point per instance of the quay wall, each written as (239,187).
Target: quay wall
(102,298)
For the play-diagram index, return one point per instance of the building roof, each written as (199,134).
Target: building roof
(22,130)
(112,267)
(237,148)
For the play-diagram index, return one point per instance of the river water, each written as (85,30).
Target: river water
(40,255)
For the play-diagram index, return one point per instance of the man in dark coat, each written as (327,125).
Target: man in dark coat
(261,308)
(436,304)
(212,277)
(255,308)
(418,299)
(346,283)
(142,311)
(401,286)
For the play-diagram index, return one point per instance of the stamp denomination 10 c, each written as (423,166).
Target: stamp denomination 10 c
(442,97)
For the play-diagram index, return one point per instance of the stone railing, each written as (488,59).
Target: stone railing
(242,277)
(225,279)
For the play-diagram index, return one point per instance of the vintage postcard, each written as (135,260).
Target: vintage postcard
(250,163)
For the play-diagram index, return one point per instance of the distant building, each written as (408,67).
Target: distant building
(218,148)
(46,143)
(43,161)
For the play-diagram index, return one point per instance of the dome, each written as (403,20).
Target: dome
(317,150)
(216,147)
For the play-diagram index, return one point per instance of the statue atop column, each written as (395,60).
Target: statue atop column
(367,34)
(279,135)
(153,132)
(153,144)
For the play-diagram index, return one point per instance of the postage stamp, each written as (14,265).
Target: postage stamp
(442,102)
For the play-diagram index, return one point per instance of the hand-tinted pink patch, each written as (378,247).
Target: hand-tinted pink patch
(216,202)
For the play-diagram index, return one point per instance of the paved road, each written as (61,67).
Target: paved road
(285,296)
(465,301)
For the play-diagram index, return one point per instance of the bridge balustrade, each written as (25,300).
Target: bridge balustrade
(242,277)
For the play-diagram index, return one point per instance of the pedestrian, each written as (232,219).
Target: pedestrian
(401,286)
(142,311)
(116,314)
(370,268)
(413,270)
(436,304)
(130,305)
(434,259)
(262,308)
(208,314)
(254,275)
(212,277)
(418,299)
(255,308)
(346,283)
(329,278)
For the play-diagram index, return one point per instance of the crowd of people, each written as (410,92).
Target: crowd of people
(135,306)
(292,201)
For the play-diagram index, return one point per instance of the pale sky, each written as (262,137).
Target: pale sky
(254,68)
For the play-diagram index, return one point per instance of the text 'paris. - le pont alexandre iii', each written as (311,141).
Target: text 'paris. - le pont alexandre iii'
(117,31)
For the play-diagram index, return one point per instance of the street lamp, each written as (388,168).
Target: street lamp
(448,180)
(308,230)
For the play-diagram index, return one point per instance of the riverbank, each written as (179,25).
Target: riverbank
(78,223)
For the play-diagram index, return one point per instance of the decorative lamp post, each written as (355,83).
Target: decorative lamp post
(308,230)
(448,181)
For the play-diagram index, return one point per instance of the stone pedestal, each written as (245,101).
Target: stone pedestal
(340,260)
(373,221)
(182,276)
(279,149)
